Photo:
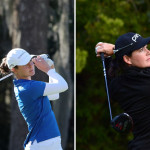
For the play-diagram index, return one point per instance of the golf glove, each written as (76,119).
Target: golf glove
(48,60)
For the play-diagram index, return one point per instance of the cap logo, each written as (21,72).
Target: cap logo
(135,37)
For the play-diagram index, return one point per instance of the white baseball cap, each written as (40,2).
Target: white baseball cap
(17,57)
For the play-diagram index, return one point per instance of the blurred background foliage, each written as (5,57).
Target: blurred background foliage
(102,20)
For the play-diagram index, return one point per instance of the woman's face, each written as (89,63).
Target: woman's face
(25,72)
(140,58)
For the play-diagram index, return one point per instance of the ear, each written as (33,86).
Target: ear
(127,59)
(13,70)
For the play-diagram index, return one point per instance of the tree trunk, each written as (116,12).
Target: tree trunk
(62,108)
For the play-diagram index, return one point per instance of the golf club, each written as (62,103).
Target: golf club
(6,76)
(122,122)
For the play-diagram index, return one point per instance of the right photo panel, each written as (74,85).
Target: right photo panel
(112,75)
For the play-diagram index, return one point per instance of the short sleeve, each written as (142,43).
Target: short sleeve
(37,89)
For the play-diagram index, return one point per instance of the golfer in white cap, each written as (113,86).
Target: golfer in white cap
(32,97)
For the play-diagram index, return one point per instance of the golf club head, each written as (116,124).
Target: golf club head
(122,123)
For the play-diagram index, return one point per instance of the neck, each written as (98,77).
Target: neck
(23,77)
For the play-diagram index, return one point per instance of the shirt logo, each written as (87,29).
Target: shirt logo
(135,37)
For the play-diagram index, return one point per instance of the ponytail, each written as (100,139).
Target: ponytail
(4,67)
(117,67)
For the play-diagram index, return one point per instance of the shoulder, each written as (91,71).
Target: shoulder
(36,86)
(116,81)
(115,85)
(31,89)
(36,83)
(29,85)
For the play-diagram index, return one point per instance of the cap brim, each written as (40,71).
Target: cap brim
(33,56)
(26,60)
(144,42)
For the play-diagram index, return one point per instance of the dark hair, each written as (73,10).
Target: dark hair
(117,66)
(3,67)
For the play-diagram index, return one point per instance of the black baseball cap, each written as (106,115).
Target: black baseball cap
(129,42)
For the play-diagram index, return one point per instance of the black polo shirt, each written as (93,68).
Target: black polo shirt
(132,91)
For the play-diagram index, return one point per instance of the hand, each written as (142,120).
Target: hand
(41,64)
(105,48)
(48,60)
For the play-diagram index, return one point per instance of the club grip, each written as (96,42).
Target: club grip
(102,56)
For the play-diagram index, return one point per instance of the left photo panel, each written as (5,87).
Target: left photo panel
(37,75)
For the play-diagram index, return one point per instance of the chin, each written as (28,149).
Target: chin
(147,65)
(32,74)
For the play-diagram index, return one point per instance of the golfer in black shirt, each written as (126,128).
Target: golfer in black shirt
(129,74)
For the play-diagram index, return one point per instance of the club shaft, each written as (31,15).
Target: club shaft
(105,76)
(6,76)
